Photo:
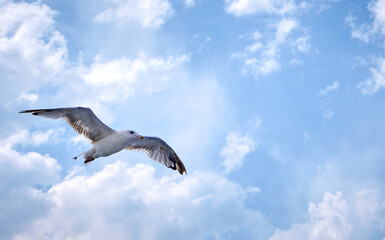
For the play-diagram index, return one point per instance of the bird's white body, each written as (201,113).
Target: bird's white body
(109,145)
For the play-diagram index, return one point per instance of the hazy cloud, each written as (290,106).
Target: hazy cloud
(377,79)
(262,58)
(329,89)
(235,150)
(148,13)
(328,114)
(246,7)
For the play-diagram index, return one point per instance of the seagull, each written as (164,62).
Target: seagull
(107,141)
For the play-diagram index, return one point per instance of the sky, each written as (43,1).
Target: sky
(276,108)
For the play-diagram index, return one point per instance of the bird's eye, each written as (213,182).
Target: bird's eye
(132,132)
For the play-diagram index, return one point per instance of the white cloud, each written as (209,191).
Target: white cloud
(284,27)
(302,44)
(327,220)
(329,88)
(261,66)
(22,176)
(377,9)
(235,150)
(369,209)
(254,47)
(37,138)
(246,7)
(361,33)
(296,62)
(263,59)
(79,139)
(189,3)
(358,217)
(367,31)
(52,135)
(376,81)
(122,202)
(115,80)
(29,97)
(33,167)
(149,13)
(32,52)
(126,70)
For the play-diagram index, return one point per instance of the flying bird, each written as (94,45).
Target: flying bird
(107,141)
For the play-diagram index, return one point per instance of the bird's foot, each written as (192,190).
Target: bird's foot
(88,160)
(74,158)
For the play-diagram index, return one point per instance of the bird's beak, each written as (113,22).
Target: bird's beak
(140,136)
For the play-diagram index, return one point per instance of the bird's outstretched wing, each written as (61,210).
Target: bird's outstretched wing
(158,150)
(83,120)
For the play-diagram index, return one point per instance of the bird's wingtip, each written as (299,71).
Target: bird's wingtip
(34,112)
(180,167)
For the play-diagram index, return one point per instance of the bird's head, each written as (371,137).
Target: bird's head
(135,134)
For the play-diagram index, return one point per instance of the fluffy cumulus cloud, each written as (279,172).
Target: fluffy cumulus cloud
(327,220)
(357,217)
(235,149)
(32,52)
(37,138)
(148,13)
(247,7)
(113,202)
(22,177)
(109,204)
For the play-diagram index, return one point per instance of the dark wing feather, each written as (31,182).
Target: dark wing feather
(83,120)
(159,151)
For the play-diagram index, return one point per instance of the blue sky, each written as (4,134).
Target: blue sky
(276,107)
